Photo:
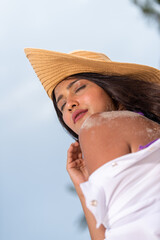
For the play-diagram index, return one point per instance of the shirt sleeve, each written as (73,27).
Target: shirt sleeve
(95,201)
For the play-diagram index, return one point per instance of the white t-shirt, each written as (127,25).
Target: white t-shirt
(124,195)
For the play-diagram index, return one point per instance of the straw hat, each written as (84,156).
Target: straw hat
(52,67)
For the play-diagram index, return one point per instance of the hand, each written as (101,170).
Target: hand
(76,166)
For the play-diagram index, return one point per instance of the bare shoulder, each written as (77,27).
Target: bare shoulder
(107,119)
(108,135)
(101,138)
(126,123)
(116,123)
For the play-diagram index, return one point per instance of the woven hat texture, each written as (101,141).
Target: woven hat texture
(53,67)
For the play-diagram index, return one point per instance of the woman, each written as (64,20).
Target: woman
(113,111)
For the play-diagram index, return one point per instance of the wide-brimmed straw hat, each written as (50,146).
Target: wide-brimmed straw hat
(53,67)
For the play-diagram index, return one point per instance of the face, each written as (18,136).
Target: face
(78,99)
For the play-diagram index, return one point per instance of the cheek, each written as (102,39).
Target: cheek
(99,100)
(86,99)
(67,119)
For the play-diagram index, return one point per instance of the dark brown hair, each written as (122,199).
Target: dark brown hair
(133,94)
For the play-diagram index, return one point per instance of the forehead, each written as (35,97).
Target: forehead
(62,86)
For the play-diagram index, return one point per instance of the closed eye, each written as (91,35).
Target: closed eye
(62,107)
(78,89)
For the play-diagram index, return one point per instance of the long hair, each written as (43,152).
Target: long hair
(133,94)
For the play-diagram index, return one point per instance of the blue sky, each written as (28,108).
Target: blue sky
(34,199)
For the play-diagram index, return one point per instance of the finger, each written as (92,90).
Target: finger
(72,153)
(76,164)
(75,150)
(80,155)
(76,143)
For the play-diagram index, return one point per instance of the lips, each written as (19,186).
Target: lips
(79,113)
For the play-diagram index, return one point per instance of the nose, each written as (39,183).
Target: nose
(71,104)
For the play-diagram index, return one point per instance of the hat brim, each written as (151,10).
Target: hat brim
(53,67)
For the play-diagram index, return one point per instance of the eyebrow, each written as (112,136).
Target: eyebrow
(68,87)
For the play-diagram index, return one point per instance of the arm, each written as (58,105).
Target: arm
(103,142)
(78,172)
(100,143)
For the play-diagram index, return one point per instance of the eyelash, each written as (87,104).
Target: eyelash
(63,107)
(78,89)
(83,86)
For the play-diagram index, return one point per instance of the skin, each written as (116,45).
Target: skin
(122,134)
(81,95)
(115,137)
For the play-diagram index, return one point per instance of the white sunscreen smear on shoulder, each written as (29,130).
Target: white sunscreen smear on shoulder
(95,121)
